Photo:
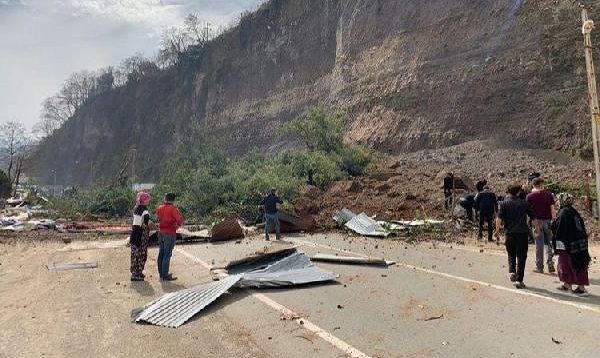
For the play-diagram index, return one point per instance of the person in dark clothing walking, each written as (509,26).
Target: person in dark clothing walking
(513,215)
(523,195)
(480,184)
(448,189)
(487,205)
(269,203)
(467,202)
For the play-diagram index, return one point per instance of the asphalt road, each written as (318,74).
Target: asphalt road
(438,300)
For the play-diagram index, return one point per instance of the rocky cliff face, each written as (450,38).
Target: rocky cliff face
(412,75)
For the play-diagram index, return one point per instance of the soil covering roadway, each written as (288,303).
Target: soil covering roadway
(438,300)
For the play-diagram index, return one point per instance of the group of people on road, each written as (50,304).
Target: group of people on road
(525,213)
(170,219)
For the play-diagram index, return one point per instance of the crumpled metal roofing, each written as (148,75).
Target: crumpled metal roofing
(296,269)
(282,268)
(364,225)
(343,216)
(257,262)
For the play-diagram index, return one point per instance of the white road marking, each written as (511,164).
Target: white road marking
(463,279)
(309,326)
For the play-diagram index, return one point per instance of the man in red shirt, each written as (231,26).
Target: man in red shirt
(544,211)
(170,220)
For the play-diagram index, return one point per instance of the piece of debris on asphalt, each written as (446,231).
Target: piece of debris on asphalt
(433,318)
(336,328)
(71,265)
(228,229)
(556,341)
(289,317)
(352,260)
(308,339)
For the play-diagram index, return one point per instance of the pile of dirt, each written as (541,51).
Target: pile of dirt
(409,186)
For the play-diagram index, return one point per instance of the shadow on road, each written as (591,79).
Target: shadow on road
(143,288)
(587,298)
(171,286)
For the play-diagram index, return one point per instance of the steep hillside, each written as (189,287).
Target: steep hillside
(412,75)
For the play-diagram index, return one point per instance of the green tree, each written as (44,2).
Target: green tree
(319,130)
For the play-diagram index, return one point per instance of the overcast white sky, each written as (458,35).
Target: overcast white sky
(43,41)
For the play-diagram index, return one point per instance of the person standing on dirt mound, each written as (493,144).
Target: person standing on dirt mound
(513,215)
(269,204)
(544,211)
(140,233)
(487,205)
(448,188)
(170,219)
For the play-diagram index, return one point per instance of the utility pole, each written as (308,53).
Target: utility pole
(593,98)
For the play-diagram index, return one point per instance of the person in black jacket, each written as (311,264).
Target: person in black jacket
(448,189)
(481,183)
(467,202)
(487,205)
(513,215)
(269,204)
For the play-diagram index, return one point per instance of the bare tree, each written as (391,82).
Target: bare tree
(137,67)
(12,143)
(193,28)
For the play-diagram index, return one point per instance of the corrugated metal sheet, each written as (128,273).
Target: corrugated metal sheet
(175,308)
(364,225)
(282,268)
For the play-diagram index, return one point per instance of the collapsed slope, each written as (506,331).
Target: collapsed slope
(411,75)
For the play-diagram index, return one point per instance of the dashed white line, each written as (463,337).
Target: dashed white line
(311,327)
